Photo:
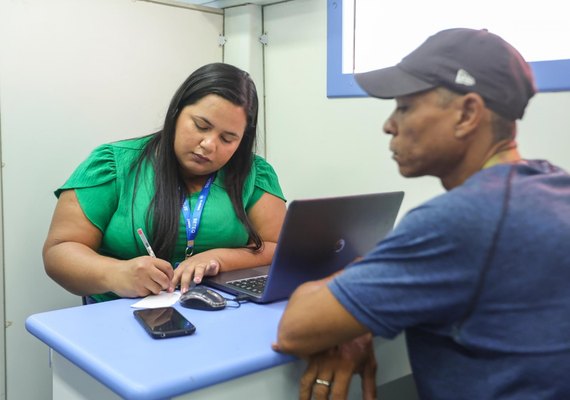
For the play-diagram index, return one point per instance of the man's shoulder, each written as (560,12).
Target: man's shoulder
(451,211)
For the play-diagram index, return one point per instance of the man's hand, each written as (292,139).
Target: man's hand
(336,367)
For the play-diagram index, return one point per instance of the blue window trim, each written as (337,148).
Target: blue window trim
(550,76)
(338,84)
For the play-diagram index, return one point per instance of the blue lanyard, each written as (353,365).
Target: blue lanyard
(193,220)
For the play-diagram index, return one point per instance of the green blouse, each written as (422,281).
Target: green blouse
(105,187)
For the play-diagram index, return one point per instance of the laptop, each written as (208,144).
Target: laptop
(318,237)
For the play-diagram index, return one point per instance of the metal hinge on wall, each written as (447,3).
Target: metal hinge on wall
(222,40)
(264,39)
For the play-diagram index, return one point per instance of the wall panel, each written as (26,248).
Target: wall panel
(75,74)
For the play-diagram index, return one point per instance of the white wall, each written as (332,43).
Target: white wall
(2,318)
(243,26)
(75,74)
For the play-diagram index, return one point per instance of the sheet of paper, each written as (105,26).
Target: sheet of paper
(163,299)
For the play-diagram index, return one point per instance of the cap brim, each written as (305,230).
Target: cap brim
(390,82)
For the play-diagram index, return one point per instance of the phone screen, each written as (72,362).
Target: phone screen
(164,322)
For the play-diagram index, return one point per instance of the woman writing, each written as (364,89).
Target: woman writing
(205,201)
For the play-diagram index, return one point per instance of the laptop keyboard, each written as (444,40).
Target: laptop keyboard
(253,285)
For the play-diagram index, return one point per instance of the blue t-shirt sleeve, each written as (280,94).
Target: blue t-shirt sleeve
(416,276)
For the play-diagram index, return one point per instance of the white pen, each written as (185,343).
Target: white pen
(146,243)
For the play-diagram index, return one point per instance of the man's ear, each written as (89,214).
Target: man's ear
(472,112)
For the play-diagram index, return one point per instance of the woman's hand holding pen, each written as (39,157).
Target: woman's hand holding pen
(193,269)
(141,276)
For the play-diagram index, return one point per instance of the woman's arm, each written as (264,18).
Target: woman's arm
(266,216)
(71,258)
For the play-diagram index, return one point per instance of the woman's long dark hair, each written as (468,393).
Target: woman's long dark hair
(237,87)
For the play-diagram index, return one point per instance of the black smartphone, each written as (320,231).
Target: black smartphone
(164,322)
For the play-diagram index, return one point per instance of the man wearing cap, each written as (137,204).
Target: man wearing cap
(478,277)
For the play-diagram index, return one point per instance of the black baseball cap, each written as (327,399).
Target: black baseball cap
(462,60)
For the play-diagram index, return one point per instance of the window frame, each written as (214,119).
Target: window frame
(550,76)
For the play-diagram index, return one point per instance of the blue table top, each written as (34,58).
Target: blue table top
(108,343)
